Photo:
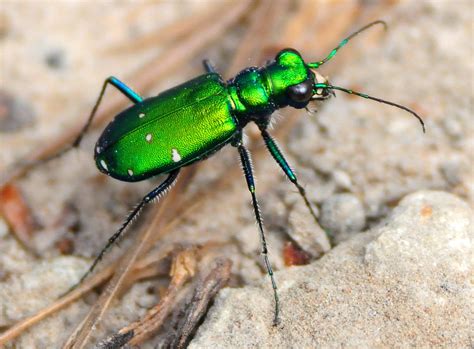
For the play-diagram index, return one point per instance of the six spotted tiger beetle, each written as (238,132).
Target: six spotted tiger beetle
(190,122)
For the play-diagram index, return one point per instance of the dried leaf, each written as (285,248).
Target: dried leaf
(293,255)
(17,214)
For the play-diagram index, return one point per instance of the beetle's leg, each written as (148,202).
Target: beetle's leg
(127,91)
(208,66)
(155,193)
(280,159)
(247,167)
(27,165)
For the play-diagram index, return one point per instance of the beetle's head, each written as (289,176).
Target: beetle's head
(312,86)
(292,81)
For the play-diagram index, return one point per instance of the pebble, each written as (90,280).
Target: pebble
(342,214)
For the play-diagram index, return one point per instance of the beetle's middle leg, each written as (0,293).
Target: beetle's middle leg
(247,167)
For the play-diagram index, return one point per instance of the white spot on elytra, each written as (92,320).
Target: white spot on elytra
(104,165)
(175,155)
(130,172)
(98,150)
(148,137)
(141,115)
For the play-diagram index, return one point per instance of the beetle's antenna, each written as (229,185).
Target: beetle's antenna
(316,65)
(332,87)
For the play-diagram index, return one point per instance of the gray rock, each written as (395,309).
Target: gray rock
(404,283)
(429,232)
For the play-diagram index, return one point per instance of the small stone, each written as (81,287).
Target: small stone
(15,113)
(342,179)
(65,246)
(304,230)
(249,239)
(451,171)
(453,127)
(55,59)
(342,214)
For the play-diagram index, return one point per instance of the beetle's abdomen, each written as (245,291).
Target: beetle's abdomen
(162,133)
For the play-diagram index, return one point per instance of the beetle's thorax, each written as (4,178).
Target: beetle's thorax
(251,95)
(257,92)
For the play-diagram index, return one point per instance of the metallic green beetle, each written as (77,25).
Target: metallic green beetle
(189,122)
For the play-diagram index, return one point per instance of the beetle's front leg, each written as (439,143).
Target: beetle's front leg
(281,161)
(119,85)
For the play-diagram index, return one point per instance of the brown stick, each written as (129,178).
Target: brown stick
(203,295)
(183,269)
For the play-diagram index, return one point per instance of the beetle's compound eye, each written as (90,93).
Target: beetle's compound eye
(301,92)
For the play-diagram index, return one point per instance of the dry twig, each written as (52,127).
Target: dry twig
(204,293)
(183,269)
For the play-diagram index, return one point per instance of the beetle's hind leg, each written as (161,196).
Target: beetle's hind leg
(22,166)
(119,85)
(208,66)
(26,165)
(155,193)
(247,167)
